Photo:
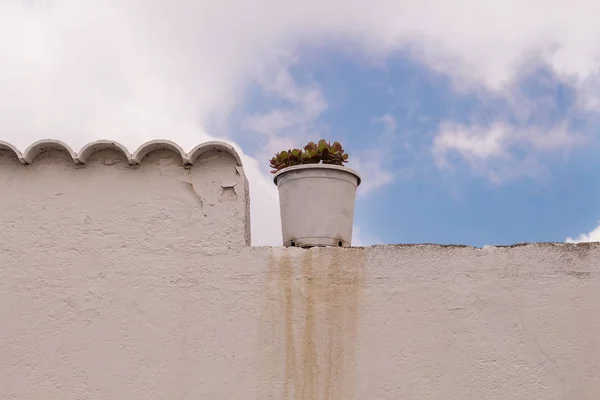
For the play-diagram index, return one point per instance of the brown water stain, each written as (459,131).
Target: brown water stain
(313,303)
(341,297)
(286,275)
(310,367)
(268,333)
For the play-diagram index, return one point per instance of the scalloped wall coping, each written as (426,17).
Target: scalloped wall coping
(41,146)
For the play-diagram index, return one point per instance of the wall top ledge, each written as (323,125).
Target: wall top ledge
(548,245)
(135,158)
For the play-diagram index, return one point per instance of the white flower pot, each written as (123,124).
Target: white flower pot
(316,203)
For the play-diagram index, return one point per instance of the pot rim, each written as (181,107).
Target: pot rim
(317,166)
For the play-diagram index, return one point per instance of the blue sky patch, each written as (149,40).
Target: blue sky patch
(425,203)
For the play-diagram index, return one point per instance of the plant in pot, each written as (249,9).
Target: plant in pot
(317,194)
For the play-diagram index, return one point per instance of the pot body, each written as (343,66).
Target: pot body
(316,203)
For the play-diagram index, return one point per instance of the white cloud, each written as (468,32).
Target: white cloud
(373,175)
(593,236)
(359,238)
(142,69)
(489,148)
(306,104)
(471,141)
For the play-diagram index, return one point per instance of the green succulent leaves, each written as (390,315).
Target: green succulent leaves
(313,153)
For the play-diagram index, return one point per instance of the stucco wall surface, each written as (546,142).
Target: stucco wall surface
(103,197)
(122,281)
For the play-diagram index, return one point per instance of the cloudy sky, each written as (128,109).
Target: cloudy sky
(471,121)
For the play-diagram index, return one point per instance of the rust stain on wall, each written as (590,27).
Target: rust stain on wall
(309,360)
(341,296)
(268,334)
(310,324)
(286,276)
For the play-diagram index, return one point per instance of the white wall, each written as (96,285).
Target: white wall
(136,282)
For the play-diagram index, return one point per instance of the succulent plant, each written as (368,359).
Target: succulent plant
(313,153)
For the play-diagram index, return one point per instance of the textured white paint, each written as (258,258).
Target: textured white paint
(136,282)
